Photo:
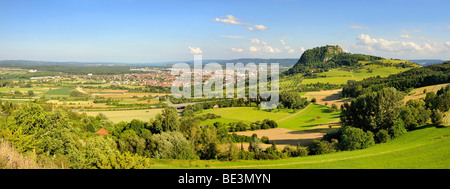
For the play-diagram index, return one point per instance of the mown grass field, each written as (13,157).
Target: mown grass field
(312,116)
(244,114)
(300,120)
(127,115)
(425,148)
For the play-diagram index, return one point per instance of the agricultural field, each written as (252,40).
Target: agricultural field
(312,116)
(291,82)
(424,148)
(340,76)
(286,137)
(244,114)
(327,98)
(127,115)
(419,92)
(37,90)
(60,91)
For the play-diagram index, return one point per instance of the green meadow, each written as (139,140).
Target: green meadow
(60,91)
(339,76)
(424,148)
(245,114)
(311,116)
(36,90)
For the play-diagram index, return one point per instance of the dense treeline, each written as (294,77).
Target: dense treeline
(63,137)
(414,78)
(287,99)
(146,89)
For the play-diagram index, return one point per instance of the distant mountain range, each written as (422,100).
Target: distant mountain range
(426,62)
(286,62)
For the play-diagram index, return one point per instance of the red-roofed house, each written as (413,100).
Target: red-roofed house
(102,132)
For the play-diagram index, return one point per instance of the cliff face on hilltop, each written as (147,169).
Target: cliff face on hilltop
(326,57)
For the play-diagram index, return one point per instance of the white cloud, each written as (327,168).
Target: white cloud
(373,44)
(232,36)
(428,47)
(254,49)
(282,42)
(270,49)
(405,36)
(410,31)
(289,49)
(447,44)
(229,19)
(356,27)
(302,49)
(255,41)
(260,27)
(195,50)
(237,50)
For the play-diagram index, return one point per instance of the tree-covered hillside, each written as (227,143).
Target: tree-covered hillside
(324,58)
(414,78)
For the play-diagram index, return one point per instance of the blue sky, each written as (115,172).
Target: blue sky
(154,31)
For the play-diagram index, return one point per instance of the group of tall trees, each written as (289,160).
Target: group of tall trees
(379,116)
(59,136)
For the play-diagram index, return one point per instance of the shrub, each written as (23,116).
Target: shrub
(397,129)
(295,152)
(437,118)
(321,147)
(354,138)
(171,145)
(382,136)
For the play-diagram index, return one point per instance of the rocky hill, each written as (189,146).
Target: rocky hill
(321,59)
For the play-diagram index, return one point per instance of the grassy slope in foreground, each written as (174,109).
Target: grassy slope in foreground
(425,148)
